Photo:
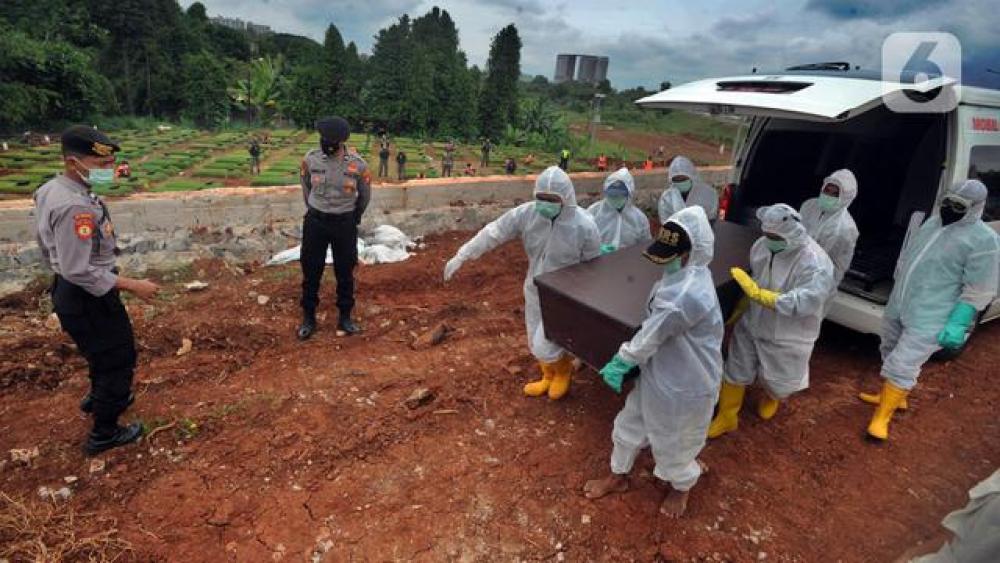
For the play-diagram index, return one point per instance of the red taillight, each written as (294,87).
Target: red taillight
(724,198)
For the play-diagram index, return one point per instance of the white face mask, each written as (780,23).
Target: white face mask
(683,186)
(97,177)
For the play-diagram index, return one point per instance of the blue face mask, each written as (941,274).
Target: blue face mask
(776,246)
(548,209)
(617,201)
(674,265)
(98,177)
(684,186)
(828,203)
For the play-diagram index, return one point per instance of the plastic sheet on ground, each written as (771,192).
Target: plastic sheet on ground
(384,245)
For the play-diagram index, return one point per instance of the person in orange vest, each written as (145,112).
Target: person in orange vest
(602,163)
(648,165)
(123,170)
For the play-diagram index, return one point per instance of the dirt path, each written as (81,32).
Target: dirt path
(288,451)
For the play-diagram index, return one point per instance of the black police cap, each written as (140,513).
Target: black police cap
(85,140)
(333,129)
(672,241)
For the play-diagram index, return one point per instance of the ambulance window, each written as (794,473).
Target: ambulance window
(984,164)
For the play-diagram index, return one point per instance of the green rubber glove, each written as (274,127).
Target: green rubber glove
(614,372)
(607,249)
(952,336)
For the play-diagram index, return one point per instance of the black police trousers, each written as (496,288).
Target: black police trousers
(102,331)
(320,231)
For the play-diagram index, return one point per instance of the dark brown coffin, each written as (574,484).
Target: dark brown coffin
(590,309)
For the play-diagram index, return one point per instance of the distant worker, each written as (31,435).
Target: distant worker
(383,161)
(946,275)
(686,188)
(564,159)
(383,139)
(336,184)
(254,150)
(678,353)
(400,165)
(830,224)
(486,148)
(661,155)
(648,163)
(469,170)
(555,234)
(774,338)
(79,243)
(602,163)
(529,159)
(621,223)
(123,170)
(448,161)
(509,166)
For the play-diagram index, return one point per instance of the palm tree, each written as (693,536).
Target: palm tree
(261,94)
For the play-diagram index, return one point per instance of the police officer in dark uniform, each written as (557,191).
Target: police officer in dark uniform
(336,184)
(77,237)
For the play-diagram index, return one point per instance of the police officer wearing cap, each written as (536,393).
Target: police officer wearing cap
(77,237)
(336,185)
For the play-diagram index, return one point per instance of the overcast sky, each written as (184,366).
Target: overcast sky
(656,40)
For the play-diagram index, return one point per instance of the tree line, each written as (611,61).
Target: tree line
(80,60)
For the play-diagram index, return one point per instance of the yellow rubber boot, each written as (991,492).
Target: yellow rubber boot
(562,373)
(540,387)
(730,401)
(876,398)
(767,407)
(892,396)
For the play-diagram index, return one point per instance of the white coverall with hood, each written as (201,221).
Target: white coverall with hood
(627,226)
(940,266)
(834,231)
(774,345)
(678,350)
(551,244)
(701,194)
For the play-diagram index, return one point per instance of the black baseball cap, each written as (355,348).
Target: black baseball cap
(333,129)
(672,241)
(85,140)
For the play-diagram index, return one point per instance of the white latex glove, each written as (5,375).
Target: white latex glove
(451,267)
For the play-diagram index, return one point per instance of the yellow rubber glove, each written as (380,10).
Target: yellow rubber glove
(765,297)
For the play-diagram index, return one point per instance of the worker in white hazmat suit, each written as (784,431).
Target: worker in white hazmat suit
(678,352)
(774,338)
(621,223)
(556,233)
(946,275)
(830,224)
(686,188)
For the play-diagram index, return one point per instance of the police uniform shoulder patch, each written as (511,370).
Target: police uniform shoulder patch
(83,225)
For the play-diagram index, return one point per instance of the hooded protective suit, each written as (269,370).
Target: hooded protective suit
(551,244)
(834,231)
(939,267)
(701,194)
(625,227)
(678,350)
(774,345)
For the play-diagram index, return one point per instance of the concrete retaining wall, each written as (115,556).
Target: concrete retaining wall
(160,230)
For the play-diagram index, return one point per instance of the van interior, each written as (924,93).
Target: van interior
(897,159)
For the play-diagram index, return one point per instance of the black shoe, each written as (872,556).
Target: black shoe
(308,326)
(121,436)
(347,326)
(87,404)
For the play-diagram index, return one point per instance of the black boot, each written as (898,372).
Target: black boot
(347,326)
(308,326)
(104,439)
(87,404)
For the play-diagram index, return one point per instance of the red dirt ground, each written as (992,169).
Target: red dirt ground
(701,152)
(306,452)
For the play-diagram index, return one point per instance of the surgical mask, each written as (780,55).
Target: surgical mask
(328,147)
(776,246)
(548,209)
(617,201)
(98,177)
(674,265)
(828,202)
(683,186)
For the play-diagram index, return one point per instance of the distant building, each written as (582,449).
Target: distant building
(591,69)
(231,23)
(258,29)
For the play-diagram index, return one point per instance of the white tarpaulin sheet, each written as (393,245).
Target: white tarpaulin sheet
(386,244)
